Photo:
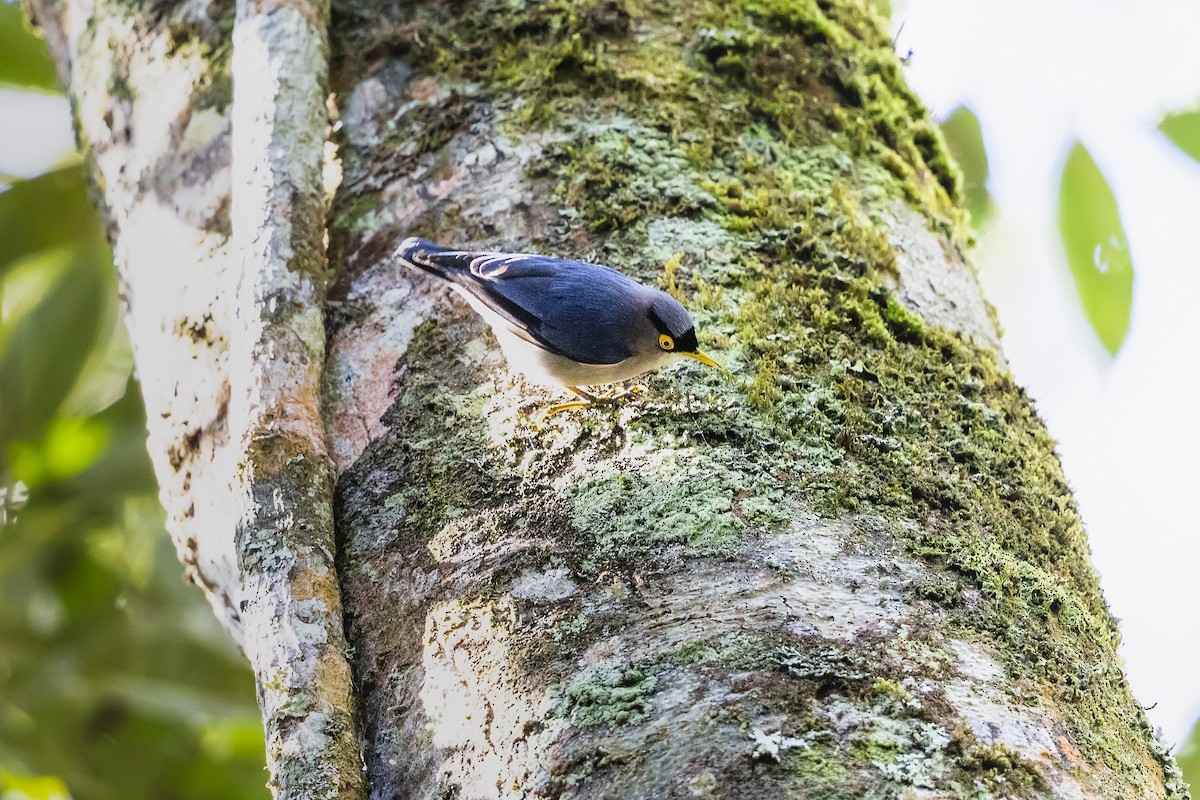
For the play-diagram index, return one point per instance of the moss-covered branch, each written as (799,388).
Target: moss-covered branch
(856,569)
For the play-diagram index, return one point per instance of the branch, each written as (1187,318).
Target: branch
(225,316)
(291,606)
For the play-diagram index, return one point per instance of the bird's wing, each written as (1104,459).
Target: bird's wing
(521,288)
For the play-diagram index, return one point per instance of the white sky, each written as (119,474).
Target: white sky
(35,132)
(1039,72)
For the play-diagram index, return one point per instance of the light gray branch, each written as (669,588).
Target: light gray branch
(290,600)
(153,116)
(225,316)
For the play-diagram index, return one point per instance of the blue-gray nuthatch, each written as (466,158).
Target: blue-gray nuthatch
(563,322)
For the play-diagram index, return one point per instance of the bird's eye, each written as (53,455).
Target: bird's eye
(666,342)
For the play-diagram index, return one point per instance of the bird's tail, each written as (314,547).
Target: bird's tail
(415,252)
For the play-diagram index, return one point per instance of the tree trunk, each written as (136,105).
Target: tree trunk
(854,570)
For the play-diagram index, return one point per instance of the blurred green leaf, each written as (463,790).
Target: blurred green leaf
(114,675)
(116,681)
(24,286)
(48,211)
(27,787)
(45,350)
(964,137)
(104,375)
(67,448)
(1183,128)
(24,62)
(1189,756)
(233,738)
(1096,247)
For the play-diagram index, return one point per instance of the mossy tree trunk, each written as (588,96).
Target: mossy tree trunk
(854,570)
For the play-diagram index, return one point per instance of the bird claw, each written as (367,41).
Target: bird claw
(621,393)
(559,408)
(588,400)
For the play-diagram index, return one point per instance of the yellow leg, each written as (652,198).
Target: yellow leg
(575,390)
(632,391)
(587,399)
(571,405)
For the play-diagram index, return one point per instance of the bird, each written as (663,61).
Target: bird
(562,322)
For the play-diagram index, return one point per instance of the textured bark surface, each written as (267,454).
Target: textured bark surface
(217,215)
(854,570)
(290,601)
(151,90)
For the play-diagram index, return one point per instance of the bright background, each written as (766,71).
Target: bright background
(115,680)
(1040,74)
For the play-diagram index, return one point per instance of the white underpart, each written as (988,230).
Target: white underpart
(550,369)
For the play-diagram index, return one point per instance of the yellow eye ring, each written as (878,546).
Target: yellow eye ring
(666,342)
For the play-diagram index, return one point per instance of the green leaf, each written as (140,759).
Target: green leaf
(1096,247)
(1189,756)
(964,137)
(69,446)
(28,787)
(45,350)
(43,212)
(24,60)
(1183,128)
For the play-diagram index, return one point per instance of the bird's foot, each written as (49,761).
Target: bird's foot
(570,405)
(621,392)
(587,399)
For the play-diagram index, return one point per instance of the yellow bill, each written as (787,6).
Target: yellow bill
(704,359)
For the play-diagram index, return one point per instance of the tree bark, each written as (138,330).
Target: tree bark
(855,570)
(225,312)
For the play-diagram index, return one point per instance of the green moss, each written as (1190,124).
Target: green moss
(215,87)
(823,769)
(942,587)
(885,687)
(887,734)
(882,746)
(443,448)
(672,497)
(732,651)
(619,172)
(998,766)
(609,694)
(352,218)
(805,72)
(900,743)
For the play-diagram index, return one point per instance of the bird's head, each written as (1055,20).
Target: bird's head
(673,329)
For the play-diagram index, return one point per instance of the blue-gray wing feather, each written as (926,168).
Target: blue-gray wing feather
(571,308)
